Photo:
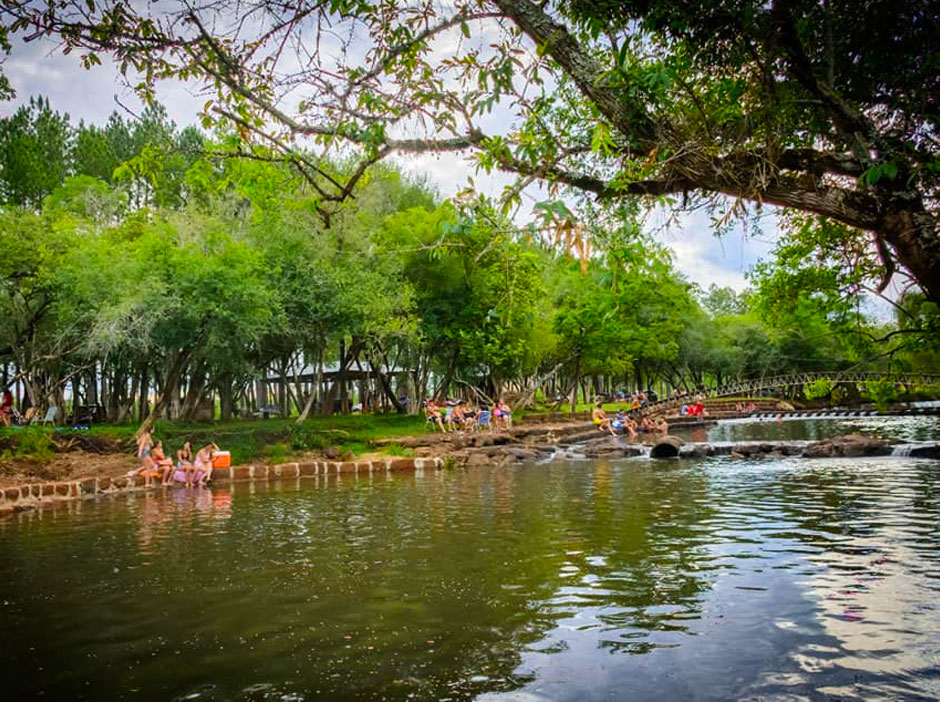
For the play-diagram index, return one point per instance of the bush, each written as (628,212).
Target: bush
(881,392)
(303,437)
(275,453)
(818,389)
(33,444)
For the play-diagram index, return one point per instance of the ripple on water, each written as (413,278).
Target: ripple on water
(716,579)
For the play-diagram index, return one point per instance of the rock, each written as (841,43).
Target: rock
(932,451)
(666,447)
(422,451)
(699,451)
(478,459)
(521,454)
(332,452)
(600,445)
(850,446)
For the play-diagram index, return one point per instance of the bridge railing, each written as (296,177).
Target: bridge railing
(776,382)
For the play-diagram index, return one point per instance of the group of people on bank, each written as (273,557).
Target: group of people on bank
(461,415)
(189,469)
(623,423)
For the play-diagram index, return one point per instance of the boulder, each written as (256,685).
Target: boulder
(929,451)
(849,446)
(478,459)
(666,447)
(698,451)
(522,454)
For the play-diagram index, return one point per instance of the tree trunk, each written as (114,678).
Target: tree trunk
(194,394)
(224,386)
(386,384)
(574,384)
(172,381)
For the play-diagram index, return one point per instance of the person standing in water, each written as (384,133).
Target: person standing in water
(144,446)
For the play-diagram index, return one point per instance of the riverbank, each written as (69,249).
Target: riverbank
(95,463)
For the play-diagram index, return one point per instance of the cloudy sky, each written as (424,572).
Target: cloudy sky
(35,69)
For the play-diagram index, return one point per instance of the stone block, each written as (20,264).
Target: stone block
(308,468)
(12,494)
(241,472)
(89,486)
(402,464)
(222,474)
(48,489)
(346,467)
(63,489)
(289,470)
(120,483)
(35,490)
(103,484)
(259,472)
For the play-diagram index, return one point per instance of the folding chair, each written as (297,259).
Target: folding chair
(50,416)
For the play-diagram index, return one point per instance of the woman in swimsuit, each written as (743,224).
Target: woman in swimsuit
(164,464)
(184,461)
(203,462)
(433,414)
(144,444)
(506,414)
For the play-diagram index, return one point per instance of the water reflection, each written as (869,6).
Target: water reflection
(177,513)
(719,579)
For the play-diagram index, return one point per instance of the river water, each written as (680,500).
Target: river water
(714,579)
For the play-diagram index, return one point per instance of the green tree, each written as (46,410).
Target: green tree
(35,153)
(827,108)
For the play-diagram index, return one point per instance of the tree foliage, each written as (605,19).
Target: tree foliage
(824,108)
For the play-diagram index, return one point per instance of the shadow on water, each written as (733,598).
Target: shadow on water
(566,581)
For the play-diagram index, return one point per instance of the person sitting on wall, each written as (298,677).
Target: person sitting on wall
(622,422)
(662,426)
(162,463)
(203,464)
(600,419)
(184,462)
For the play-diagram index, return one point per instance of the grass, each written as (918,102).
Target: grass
(271,440)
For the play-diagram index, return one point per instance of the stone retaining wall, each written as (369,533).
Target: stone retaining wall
(26,497)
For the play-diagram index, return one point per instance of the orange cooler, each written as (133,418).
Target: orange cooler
(221,459)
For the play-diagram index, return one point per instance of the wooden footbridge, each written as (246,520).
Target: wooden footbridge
(756,387)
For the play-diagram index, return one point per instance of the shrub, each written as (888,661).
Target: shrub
(881,392)
(818,389)
(33,444)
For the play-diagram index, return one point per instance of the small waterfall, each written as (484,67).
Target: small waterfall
(903,450)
